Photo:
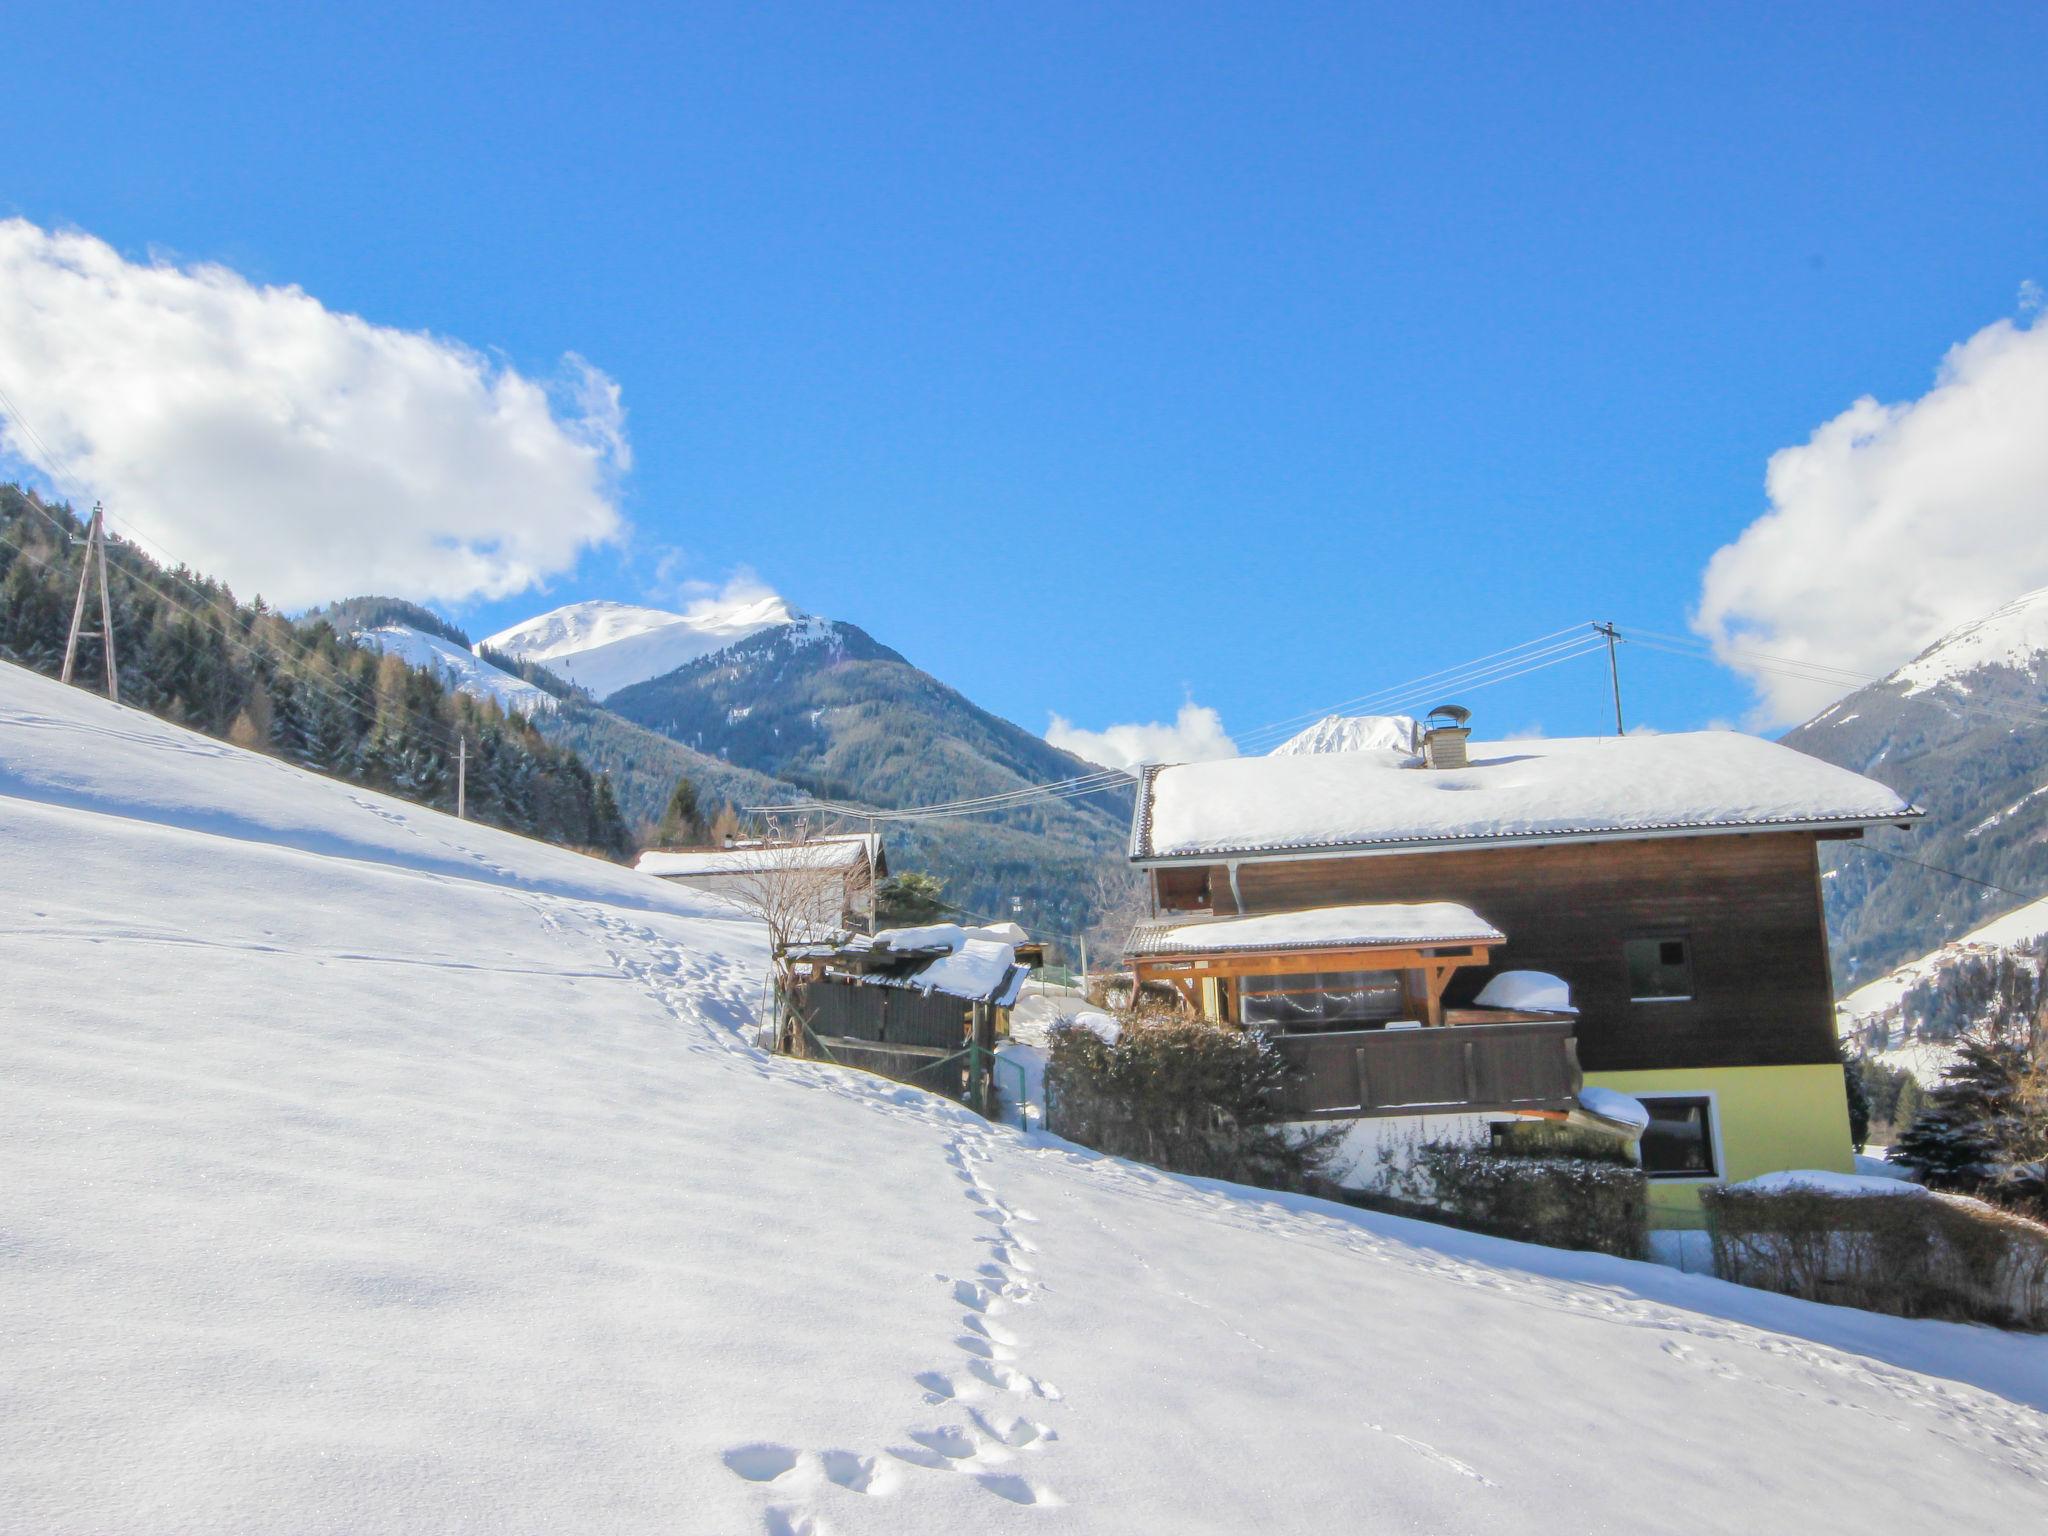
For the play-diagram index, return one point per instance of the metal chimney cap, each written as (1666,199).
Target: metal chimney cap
(1453,716)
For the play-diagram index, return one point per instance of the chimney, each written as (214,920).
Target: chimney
(1443,736)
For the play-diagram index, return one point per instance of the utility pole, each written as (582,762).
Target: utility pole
(462,778)
(1613,672)
(95,559)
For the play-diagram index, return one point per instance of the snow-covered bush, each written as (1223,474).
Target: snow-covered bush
(1547,1185)
(1933,1256)
(1181,1094)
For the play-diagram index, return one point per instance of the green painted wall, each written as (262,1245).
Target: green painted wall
(1765,1118)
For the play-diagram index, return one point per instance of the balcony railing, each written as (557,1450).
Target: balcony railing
(1450,1069)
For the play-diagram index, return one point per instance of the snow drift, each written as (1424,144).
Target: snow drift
(368,1170)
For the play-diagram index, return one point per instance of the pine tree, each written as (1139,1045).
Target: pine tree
(1954,1142)
(1859,1102)
(681,822)
(610,826)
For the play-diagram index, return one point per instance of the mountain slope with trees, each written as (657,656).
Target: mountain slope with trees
(193,654)
(1962,731)
(824,706)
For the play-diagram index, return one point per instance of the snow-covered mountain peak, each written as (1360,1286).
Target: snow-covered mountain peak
(1352,733)
(2015,635)
(605,646)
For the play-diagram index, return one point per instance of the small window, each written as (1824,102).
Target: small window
(1679,1143)
(1659,969)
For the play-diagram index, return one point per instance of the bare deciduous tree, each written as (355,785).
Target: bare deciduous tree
(799,891)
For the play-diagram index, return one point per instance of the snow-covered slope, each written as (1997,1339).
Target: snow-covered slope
(370,1171)
(1353,733)
(1910,1016)
(2014,636)
(459,668)
(606,646)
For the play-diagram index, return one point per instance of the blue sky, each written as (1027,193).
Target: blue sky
(1097,356)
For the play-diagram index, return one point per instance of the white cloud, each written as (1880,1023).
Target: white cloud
(261,437)
(1892,525)
(1196,736)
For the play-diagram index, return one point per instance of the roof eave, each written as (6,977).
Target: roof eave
(1902,819)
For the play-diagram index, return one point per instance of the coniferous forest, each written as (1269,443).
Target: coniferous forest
(190,652)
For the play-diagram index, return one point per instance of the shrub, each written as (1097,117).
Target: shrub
(1928,1256)
(1181,1094)
(1539,1185)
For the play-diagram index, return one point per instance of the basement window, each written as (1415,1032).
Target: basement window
(1659,968)
(1679,1143)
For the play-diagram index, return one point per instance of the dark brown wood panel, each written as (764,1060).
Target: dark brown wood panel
(1749,905)
(1452,1069)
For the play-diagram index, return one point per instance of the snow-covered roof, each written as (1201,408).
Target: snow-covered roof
(978,965)
(756,858)
(1382,925)
(1553,789)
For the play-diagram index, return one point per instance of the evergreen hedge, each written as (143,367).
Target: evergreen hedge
(1183,1095)
(1927,1256)
(1562,1190)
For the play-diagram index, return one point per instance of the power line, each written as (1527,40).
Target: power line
(338,689)
(1808,671)
(1989,885)
(1484,672)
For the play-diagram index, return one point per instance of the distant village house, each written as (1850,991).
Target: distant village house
(837,874)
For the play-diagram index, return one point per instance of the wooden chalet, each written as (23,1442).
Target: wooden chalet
(923,1005)
(1373,910)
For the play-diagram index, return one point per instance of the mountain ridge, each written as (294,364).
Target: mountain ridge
(1962,731)
(604,645)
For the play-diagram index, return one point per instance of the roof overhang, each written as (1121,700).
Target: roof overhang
(1854,826)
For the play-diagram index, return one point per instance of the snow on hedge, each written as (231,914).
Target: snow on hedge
(1611,1104)
(367,1170)
(1821,1181)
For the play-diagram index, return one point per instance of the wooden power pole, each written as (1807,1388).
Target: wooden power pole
(462,778)
(1613,671)
(95,560)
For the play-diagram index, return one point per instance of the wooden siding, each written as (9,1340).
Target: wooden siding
(1749,905)
(1461,1069)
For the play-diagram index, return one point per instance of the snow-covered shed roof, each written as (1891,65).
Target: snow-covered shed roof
(1562,789)
(978,965)
(756,858)
(1381,925)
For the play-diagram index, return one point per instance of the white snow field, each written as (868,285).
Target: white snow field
(362,1170)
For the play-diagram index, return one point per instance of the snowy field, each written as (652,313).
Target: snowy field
(369,1171)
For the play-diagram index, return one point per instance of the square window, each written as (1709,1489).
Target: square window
(1679,1143)
(1659,969)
